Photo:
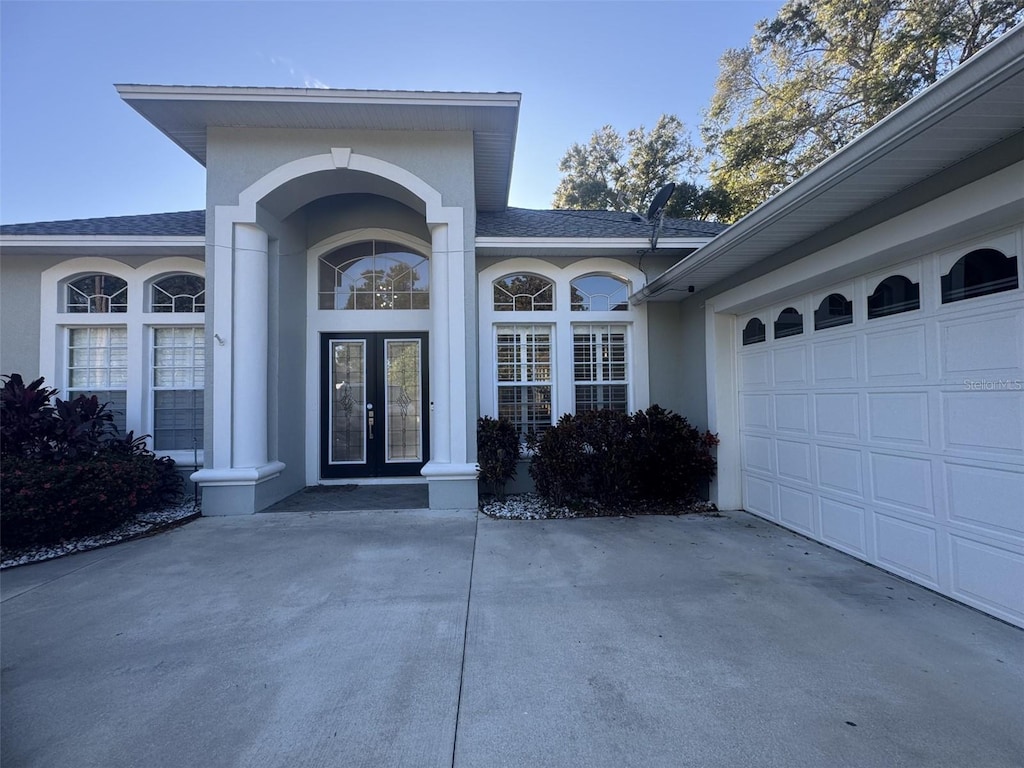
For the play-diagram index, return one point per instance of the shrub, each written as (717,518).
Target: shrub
(31,426)
(497,448)
(650,456)
(27,419)
(672,460)
(558,463)
(67,472)
(49,501)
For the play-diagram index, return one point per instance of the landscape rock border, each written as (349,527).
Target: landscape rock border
(146,524)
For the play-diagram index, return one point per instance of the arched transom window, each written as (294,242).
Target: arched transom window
(178,293)
(96,293)
(374,274)
(523,293)
(600,293)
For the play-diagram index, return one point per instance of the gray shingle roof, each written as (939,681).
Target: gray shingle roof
(512,222)
(181,224)
(522,222)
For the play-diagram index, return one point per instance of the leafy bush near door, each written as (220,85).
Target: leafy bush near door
(497,447)
(66,470)
(652,456)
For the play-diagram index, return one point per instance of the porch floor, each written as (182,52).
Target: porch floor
(354,498)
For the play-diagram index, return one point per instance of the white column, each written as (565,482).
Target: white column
(250,348)
(440,348)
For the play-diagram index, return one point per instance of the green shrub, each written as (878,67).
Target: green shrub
(613,458)
(497,449)
(49,501)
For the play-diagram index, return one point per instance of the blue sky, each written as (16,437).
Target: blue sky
(70,148)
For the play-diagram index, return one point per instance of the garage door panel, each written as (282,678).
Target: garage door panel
(840,469)
(984,421)
(988,498)
(796,509)
(757,454)
(754,371)
(907,548)
(837,414)
(792,413)
(902,481)
(843,526)
(789,365)
(793,460)
(899,417)
(991,345)
(896,355)
(835,362)
(759,496)
(756,411)
(988,576)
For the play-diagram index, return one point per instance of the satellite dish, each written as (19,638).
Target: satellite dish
(660,201)
(657,208)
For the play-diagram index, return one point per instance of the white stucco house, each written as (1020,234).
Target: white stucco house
(357,292)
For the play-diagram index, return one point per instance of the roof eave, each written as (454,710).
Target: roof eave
(156,103)
(14,243)
(642,243)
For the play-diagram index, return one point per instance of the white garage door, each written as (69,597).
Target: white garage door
(888,423)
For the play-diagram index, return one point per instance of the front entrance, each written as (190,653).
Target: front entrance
(372,404)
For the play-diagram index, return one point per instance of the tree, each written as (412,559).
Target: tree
(823,71)
(623,174)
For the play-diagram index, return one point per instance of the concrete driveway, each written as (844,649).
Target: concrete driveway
(428,639)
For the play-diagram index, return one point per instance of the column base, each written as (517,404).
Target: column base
(232,491)
(451,486)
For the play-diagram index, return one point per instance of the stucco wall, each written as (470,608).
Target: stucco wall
(677,362)
(343,213)
(19,313)
(238,157)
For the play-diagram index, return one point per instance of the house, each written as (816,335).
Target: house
(357,292)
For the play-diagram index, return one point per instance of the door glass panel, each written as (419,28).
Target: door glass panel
(404,401)
(348,401)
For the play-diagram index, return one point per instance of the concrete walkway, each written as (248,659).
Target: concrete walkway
(436,639)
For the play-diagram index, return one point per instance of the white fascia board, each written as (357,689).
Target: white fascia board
(101,241)
(316,95)
(484,243)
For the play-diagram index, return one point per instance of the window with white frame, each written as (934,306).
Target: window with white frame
(600,367)
(178,377)
(133,337)
(96,293)
(98,365)
(600,293)
(374,274)
(178,293)
(540,361)
(523,293)
(523,375)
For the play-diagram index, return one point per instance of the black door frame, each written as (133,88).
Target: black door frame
(375,465)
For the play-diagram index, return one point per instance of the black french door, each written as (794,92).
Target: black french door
(373,404)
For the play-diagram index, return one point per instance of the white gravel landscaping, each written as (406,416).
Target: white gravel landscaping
(145,524)
(524,506)
(530,506)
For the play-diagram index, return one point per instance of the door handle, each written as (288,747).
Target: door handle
(369,420)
